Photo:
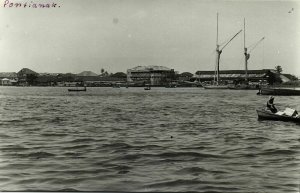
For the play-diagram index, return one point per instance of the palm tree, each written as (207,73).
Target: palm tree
(278,69)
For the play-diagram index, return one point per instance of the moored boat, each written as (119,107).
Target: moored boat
(279,91)
(148,87)
(217,81)
(76,89)
(245,85)
(216,87)
(267,115)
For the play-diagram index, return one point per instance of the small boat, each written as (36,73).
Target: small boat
(267,115)
(76,89)
(148,87)
(216,87)
(279,91)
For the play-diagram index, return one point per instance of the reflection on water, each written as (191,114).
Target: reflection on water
(180,139)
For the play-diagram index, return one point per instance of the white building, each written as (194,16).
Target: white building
(154,75)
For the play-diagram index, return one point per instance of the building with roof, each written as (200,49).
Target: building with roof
(153,75)
(8,78)
(5,82)
(267,75)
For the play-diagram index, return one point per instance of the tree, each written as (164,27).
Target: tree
(293,77)
(69,77)
(278,69)
(186,74)
(119,75)
(102,70)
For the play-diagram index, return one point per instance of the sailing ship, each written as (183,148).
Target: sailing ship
(216,84)
(245,85)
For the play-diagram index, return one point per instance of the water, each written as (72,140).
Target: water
(118,139)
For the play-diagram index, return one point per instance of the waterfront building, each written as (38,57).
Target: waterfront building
(153,75)
(5,82)
(8,78)
(235,76)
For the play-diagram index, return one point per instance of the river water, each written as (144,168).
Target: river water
(165,139)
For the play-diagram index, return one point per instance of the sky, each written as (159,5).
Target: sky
(88,35)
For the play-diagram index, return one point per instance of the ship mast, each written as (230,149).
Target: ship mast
(246,54)
(219,51)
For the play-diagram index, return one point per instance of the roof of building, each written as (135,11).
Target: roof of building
(284,78)
(235,72)
(150,68)
(87,73)
(99,78)
(27,71)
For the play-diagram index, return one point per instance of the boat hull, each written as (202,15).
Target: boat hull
(266,115)
(76,90)
(243,87)
(279,92)
(216,87)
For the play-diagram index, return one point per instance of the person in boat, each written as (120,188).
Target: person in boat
(271,106)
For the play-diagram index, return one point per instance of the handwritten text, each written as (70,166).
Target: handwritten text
(31,4)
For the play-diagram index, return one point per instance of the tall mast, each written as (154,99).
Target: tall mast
(218,52)
(217,27)
(246,54)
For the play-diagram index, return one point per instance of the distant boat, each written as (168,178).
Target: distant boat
(216,84)
(216,87)
(278,91)
(77,89)
(267,115)
(148,87)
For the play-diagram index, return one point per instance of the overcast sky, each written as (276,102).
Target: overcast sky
(120,34)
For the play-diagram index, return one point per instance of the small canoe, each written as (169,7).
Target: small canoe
(263,114)
(77,89)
